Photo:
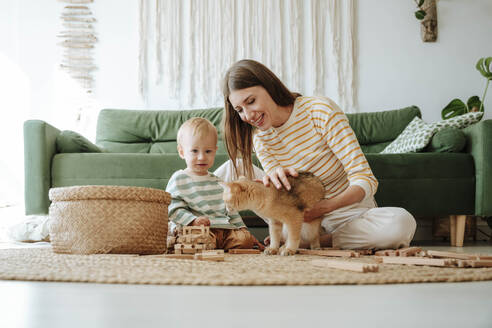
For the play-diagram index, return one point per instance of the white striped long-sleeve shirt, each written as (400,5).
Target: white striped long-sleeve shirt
(194,196)
(317,138)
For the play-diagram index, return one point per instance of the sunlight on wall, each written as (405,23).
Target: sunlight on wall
(75,109)
(15,89)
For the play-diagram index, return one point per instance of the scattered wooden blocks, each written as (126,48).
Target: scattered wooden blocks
(409,251)
(346,265)
(417,261)
(452,255)
(244,251)
(329,252)
(387,252)
(364,251)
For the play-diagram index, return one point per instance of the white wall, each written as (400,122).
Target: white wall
(396,68)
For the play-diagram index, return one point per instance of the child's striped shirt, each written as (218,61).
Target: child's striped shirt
(194,196)
(317,138)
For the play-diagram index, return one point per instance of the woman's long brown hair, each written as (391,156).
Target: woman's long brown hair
(238,135)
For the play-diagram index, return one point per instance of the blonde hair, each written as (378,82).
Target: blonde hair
(238,135)
(198,126)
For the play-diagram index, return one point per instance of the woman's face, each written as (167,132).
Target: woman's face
(255,107)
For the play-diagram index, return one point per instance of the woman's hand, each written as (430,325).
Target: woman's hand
(279,178)
(201,221)
(318,210)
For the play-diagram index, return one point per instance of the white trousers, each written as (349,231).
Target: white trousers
(361,225)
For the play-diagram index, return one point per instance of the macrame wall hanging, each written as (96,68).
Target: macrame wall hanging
(78,37)
(204,37)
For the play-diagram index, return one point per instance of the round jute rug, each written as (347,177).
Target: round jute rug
(44,265)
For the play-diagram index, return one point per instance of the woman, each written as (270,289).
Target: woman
(291,133)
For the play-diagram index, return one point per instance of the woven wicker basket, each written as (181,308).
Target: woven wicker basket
(108,219)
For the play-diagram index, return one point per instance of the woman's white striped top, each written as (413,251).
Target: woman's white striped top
(317,138)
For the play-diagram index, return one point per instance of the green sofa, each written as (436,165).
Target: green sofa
(140,150)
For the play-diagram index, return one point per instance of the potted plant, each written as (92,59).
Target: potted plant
(474,104)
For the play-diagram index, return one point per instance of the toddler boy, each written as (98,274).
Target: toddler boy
(196,193)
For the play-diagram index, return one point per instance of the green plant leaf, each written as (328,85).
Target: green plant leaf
(484,67)
(421,2)
(455,108)
(420,14)
(474,104)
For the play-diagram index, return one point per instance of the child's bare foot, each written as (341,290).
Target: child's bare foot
(201,220)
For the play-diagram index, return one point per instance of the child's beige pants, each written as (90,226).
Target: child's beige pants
(233,238)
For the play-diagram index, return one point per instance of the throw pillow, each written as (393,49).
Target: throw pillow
(413,138)
(461,121)
(417,134)
(72,142)
(447,140)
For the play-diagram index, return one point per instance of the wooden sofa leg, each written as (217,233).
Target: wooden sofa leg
(457,229)
(452,229)
(460,229)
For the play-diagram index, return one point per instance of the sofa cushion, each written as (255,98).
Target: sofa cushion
(448,140)
(447,178)
(72,142)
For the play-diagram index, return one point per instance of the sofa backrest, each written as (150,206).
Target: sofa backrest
(376,130)
(149,131)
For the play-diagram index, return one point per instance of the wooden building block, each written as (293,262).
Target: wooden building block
(196,230)
(452,255)
(187,248)
(409,251)
(387,252)
(474,263)
(418,261)
(180,256)
(209,257)
(328,252)
(364,251)
(213,251)
(244,251)
(461,256)
(346,265)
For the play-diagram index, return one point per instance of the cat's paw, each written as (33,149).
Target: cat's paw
(287,251)
(270,251)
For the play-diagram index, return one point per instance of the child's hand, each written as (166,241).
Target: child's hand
(201,220)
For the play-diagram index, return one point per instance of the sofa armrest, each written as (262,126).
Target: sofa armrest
(39,149)
(479,145)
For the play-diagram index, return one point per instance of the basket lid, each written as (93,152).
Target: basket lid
(109,192)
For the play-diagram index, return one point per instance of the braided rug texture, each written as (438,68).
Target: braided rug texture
(45,265)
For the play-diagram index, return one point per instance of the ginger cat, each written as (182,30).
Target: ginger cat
(280,207)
